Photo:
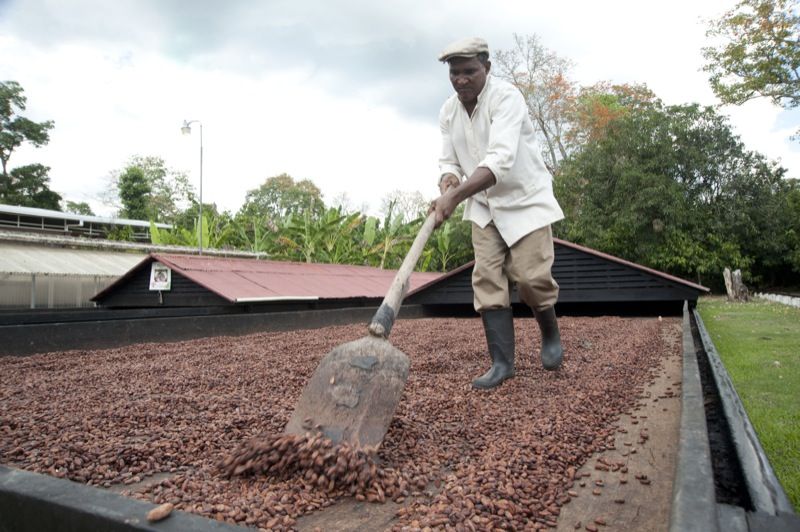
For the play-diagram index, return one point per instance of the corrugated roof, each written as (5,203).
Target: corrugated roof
(22,259)
(142,248)
(80,218)
(247,280)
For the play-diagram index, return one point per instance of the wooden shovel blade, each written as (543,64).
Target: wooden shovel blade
(353,393)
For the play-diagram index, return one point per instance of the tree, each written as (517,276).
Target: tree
(188,218)
(78,208)
(595,107)
(759,55)
(281,196)
(673,188)
(792,227)
(542,77)
(405,206)
(28,186)
(134,192)
(14,129)
(343,201)
(168,191)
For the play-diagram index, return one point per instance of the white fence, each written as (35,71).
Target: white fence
(779,298)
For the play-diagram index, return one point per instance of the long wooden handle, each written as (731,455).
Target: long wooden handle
(383,320)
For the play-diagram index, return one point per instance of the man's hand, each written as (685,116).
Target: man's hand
(445,204)
(448,181)
(454,192)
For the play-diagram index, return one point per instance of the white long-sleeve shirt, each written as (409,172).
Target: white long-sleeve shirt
(500,137)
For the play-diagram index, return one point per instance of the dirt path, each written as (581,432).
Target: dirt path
(623,501)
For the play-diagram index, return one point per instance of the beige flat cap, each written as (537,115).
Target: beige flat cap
(464,48)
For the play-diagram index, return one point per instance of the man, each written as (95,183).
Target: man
(488,140)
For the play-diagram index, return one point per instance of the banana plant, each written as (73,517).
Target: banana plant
(158,236)
(304,237)
(396,238)
(256,234)
(339,241)
(215,234)
(450,246)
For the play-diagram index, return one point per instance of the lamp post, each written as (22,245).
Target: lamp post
(186,129)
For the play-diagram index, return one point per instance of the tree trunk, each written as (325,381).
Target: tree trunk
(739,288)
(736,289)
(726,274)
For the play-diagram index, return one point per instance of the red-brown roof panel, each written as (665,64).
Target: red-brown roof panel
(229,285)
(248,279)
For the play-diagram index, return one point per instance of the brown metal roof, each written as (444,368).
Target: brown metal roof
(248,280)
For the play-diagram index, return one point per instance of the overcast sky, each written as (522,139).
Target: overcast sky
(342,92)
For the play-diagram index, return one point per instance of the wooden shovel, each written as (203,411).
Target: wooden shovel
(353,393)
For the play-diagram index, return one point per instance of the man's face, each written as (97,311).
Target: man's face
(468,76)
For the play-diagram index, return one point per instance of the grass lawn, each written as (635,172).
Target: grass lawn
(759,342)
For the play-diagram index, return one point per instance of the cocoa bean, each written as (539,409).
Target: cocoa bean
(160,512)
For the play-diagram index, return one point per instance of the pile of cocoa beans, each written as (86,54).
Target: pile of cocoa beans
(319,462)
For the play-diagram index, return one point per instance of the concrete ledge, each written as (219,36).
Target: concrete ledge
(694,505)
(732,518)
(766,492)
(30,502)
(761,522)
(28,339)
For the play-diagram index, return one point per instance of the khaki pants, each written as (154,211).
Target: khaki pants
(527,263)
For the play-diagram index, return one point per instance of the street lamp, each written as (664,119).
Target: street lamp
(186,129)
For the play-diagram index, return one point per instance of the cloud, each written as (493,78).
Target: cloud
(381,51)
(377,50)
(113,104)
(345,93)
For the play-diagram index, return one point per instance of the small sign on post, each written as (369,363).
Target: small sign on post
(160,277)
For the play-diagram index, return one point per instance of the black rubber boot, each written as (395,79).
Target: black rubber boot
(551,353)
(499,327)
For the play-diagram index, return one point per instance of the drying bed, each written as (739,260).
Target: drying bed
(157,421)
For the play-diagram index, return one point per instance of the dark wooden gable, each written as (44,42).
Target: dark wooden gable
(134,291)
(583,277)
